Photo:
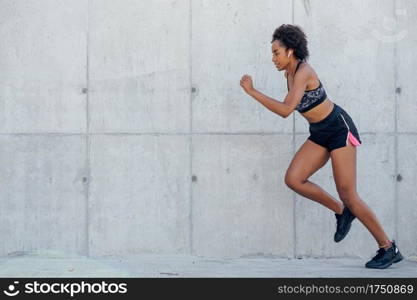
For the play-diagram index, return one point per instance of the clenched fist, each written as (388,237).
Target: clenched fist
(246,83)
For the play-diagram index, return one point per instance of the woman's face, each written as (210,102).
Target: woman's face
(279,56)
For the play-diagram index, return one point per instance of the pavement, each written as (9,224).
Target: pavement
(50,264)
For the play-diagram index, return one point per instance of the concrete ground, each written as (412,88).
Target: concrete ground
(55,264)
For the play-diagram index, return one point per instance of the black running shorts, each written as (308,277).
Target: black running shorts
(335,130)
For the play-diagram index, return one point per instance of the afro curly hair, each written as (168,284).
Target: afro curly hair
(292,37)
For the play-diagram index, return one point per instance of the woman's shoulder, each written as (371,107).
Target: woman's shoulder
(305,67)
(307,70)
(309,75)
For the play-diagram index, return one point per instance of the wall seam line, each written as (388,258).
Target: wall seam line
(294,196)
(190,135)
(396,97)
(88,168)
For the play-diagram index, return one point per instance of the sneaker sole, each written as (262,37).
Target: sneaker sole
(397,258)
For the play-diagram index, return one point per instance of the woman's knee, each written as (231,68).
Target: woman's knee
(292,180)
(348,195)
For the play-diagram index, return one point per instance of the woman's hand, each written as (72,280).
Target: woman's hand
(246,83)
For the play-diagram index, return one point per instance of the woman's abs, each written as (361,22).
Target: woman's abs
(318,113)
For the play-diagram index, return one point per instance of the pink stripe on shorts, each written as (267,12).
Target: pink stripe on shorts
(353,140)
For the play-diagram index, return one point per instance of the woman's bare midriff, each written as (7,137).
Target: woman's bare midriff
(319,112)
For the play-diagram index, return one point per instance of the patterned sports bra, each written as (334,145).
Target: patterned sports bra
(311,98)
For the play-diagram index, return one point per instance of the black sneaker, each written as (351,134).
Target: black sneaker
(384,258)
(343,223)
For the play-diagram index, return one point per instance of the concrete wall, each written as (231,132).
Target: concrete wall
(125,130)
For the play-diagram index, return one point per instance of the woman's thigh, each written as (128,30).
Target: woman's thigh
(344,170)
(308,159)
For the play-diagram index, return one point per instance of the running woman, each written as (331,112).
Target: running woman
(332,135)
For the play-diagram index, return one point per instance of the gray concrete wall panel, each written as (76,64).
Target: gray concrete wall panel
(241,206)
(407,198)
(139,66)
(139,195)
(230,39)
(43,202)
(43,66)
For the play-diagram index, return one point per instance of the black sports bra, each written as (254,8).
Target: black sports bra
(311,98)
